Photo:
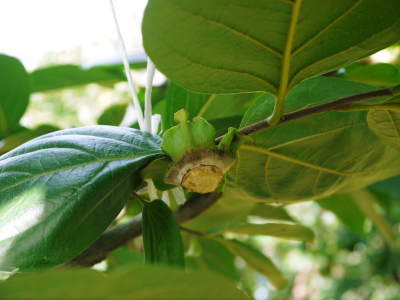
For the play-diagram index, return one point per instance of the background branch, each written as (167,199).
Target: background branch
(120,234)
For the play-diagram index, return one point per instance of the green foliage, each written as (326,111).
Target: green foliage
(285,231)
(14,94)
(66,76)
(136,282)
(227,46)
(384,75)
(161,236)
(232,64)
(256,260)
(386,125)
(313,157)
(59,192)
(113,115)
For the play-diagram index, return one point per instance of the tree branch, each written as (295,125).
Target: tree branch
(120,234)
(336,105)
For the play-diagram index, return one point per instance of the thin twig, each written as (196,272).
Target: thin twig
(336,105)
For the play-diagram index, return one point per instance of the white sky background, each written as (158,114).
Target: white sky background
(32,29)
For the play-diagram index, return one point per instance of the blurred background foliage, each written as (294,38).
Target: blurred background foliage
(349,258)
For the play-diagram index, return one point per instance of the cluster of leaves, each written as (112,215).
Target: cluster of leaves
(60,191)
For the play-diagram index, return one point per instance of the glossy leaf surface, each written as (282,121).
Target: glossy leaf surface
(230,46)
(161,235)
(59,192)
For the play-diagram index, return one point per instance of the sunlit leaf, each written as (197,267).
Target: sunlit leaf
(59,192)
(230,46)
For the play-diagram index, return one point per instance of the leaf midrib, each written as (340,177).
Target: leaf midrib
(108,159)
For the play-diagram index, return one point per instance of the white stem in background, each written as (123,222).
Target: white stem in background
(147,96)
(132,89)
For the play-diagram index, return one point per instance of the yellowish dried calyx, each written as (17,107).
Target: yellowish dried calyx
(200,170)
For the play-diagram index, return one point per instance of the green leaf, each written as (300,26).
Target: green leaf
(59,192)
(312,157)
(220,108)
(227,210)
(23,136)
(256,260)
(135,282)
(284,231)
(384,75)
(228,46)
(308,93)
(365,200)
(270,212)
(345,210)
(386,125)
(123,256)
(216,257)
(113,115)
(14,94)
(161,235)
(67,76)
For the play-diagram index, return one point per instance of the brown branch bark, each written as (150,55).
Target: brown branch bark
(120,234)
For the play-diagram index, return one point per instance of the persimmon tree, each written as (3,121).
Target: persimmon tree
(266,105)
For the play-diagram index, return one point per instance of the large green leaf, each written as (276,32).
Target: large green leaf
(234,46)
(14,94)
(59,192)
(136,282)
(161,235)
(256,260)
(66,76)
(311,157)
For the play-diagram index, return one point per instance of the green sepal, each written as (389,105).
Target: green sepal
(187,136)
